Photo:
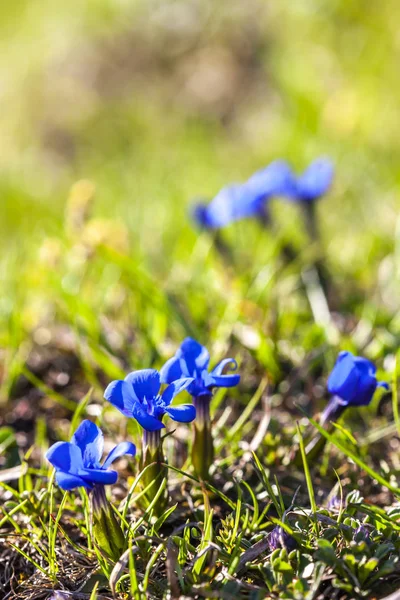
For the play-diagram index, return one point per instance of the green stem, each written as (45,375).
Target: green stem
(152,454)
(203,445)
(106,529)
(223,249)
(311,223)
(332,413)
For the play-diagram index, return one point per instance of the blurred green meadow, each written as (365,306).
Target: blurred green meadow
(158,103)
(115,117)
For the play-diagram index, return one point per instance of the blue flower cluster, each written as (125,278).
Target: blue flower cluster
(138,396)
(147,395)
(352,382)
(239,201)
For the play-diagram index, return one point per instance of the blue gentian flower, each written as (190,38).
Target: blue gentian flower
(313,183)
(138,397)
(77,462)
(279,538)
(192,360)
(239,201)
(352,383)
(353,380)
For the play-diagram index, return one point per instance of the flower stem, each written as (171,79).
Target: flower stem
(311,223)
(223,249)
(310,219)
(203,445)
(106,529)
(152,454)
(332,412)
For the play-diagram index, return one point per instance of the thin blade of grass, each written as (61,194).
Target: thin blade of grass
(307,474)
(371,472)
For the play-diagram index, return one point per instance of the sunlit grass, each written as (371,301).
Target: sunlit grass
(113,94)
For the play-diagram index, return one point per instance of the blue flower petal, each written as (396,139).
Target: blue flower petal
(174,388)
(365,392)
(316,179)
(184,413)
(193,358)
(89,438)
(171,371)
(223,380)
(223,209)
(343,380)
(146,383)
(120,394)
(238,201)
(194,352)
(277,179)
(147,421)
(120,450)
(232,203)
(365,366)
(70,482)
(218,369)
(65,457)
(101,476)
(384,385)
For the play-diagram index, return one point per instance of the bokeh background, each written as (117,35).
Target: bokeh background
(158,102)
(155,103)
(115,116)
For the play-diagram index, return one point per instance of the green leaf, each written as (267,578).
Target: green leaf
(281,566)
(326,553)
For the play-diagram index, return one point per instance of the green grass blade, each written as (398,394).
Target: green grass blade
(350,454)
(307,474)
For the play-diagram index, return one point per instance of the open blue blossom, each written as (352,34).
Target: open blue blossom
(137,396)
(314,182)
(77,462)
(192,360)
(239,201)
(353,380)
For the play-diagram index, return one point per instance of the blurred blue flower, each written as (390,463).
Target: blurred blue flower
(277,179)
(191,360)
(313,182)
(362,534)
(239,201)
(335,503)
(77,462)
(279,538)
(232,203)
(137,396)
(353,380)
